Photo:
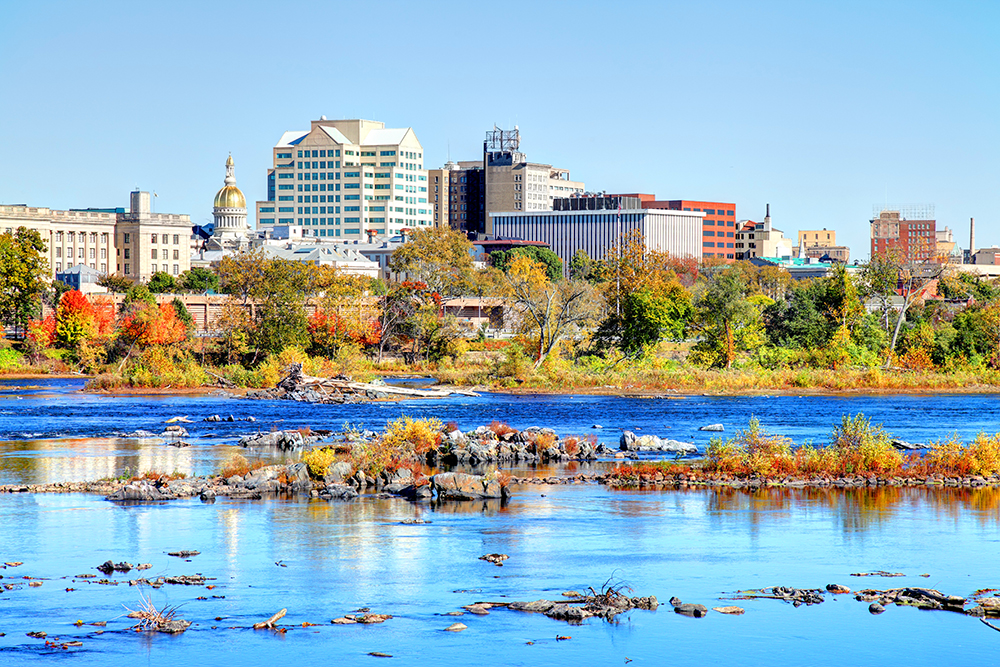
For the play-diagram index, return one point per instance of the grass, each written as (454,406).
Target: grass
(857,448)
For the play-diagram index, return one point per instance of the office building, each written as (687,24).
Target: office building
(596,232)
(504,180)
(761,239)
(820,243)
(135,243)
(718,226)
(909,230)
(346,179)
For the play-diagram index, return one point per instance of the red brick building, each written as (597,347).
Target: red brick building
(718,230)
(916,240)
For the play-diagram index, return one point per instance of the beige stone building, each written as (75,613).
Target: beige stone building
(438,190)
(819,243)
(761,239)
(148,243)
(347,179)
(136,243)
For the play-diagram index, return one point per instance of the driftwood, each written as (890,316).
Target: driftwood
(990,624)
(269,623)
(335,388)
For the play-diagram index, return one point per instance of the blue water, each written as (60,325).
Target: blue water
(696,545)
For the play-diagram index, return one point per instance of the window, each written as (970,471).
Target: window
(177,239)
(93,253)
(176,269)
(126,239)
(104,253)
(153,255)
(104,268)
(127,256)
(152,239)
(177,254)
(153,268)
(126,270)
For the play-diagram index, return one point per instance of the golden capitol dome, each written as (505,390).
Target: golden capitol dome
(230,196)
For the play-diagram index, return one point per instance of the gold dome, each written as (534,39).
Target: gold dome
(230,196)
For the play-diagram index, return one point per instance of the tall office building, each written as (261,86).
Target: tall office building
(347,178)
(718,226)
(911,230)
(502,182)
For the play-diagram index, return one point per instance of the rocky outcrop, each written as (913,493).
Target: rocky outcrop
(460,486)
(283,440)
(630,442)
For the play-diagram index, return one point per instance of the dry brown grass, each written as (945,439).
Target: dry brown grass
(238,465)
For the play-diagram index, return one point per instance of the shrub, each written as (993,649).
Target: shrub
(237,464)
(751,451)
(418,435)
(501,428)
(319,460)
(864,448)
(9,359)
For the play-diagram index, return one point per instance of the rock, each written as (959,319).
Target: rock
(875,608)
(207,496)
(990,606)
(107,567)
(183,553)
(566,612)
(456,627)
(651,443)
(138,491)
(174,431)
(369,619)
(281,440)
(213,418)
(343,620)
(496,559)
(735,611)
(173,627)
(598,426)
(693,610)
(460,486)
(713,427)
(538,606)
(907,446)
(480,609)
(338,472)
(837,589)
(339,492)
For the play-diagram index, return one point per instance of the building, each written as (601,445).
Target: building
(229,212)
(148,243)
(910,230)
(761,239)
(136,243)
(438,191)
(945,246)
(83,279)
(798,267)
(346,178)
(596,232)
(341,257)
(503,180)
(986,257)
(718,226)
(821,243)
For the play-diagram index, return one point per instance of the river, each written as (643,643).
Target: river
(321,559)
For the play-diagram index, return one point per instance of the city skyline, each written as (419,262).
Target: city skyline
(820,111)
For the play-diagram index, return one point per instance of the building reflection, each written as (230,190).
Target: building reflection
(88,459)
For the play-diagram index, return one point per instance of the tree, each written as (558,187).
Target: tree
(553,265)
(583,267)
(115,283)
(441,257)
(550,311)
(398,302)
(161,282)
(728,317)
(644,300)
(199,280)
(23,270)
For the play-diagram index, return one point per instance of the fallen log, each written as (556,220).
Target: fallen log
(269,623)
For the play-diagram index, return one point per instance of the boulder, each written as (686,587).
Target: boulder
(213,418)
(338,472)
(875,608)
(456,627)
(339,492)
(630,442)
(282,440)
(713,427)
(537,606)
(461,486)
(138,491)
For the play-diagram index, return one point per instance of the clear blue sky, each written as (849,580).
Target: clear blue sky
(821,109)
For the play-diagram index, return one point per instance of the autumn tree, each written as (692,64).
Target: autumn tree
(553,265)
(115,283)
(440,257)
(549,311)
(199,279)
(644,300)
(728,315)
(23,270)
(161,282)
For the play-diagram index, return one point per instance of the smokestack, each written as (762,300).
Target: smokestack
(972,239)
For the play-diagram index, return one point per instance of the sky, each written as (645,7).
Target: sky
(820,109)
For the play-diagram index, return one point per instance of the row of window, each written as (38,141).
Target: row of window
(177,254)
(83,237)
(712,211)
(709,232)
(59,266)
(712,244)
(80,253)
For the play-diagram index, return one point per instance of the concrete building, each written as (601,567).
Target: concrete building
(718,226)
(83,279)
(503,180)
(761,239)
(986,257)
(346,178)
(820,243)
(910,230)
(596,232)
(136,243)
(345,259)
(147,242)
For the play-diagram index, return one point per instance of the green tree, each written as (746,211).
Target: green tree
(553,265)
(441,257)
(583,267)
(199,280)
(161,282)
(115,283)
(728,317)
(23,270)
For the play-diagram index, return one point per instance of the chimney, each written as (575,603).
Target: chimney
(972,239)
